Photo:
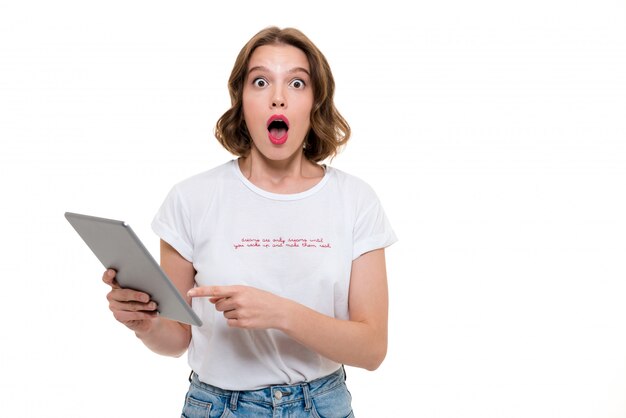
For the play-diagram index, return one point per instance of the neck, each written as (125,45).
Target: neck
(292,174)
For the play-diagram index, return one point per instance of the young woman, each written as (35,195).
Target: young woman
(281,257)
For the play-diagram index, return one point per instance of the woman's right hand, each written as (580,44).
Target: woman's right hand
(130,307)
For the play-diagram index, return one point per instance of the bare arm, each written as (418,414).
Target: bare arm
(136,311)
(360,341)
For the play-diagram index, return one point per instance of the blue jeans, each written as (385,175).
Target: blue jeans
(327,397)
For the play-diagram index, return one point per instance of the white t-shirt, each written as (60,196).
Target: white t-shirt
(298,246)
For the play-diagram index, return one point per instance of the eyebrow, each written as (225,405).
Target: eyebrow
(291,71)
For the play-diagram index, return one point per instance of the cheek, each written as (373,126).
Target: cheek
(304,111)
(246,103)
(250,109)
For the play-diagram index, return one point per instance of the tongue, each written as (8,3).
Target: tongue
(278,132)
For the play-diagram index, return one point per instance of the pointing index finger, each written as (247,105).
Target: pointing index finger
(210,291)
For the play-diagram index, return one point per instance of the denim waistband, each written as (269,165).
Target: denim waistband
(276,395)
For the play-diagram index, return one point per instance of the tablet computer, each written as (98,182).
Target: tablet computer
(117,247)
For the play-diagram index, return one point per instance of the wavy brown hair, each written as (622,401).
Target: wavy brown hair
(329,131)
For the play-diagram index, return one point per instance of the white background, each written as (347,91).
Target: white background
(494,133)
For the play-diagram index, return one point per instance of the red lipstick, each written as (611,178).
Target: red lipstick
(277,127)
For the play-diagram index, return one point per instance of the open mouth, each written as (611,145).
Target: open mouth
(277,127)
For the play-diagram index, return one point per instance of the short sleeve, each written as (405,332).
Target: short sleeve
(172,225)
(372,229)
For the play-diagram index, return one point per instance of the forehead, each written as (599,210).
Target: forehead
(278,58)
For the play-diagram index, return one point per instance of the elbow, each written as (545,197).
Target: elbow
(173,351)
(177,352)
(183,346)
(376,360)
(375,356)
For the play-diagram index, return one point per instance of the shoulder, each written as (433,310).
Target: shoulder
(206,180)
(352,186)
(197,193)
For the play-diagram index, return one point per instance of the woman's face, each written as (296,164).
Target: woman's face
(277,100)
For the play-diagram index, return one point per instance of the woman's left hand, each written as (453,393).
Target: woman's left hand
(245,306)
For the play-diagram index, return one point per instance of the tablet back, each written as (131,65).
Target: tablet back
(117,247)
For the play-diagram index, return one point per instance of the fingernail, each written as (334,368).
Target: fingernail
(191,293)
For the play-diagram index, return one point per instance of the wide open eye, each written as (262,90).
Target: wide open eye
(260,82)
(297,83)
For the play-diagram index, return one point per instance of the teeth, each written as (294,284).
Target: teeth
(278,122)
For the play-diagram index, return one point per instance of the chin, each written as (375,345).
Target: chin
(278,153)
(280,156)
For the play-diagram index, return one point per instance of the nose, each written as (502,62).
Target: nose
(278,99)
(278,102)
